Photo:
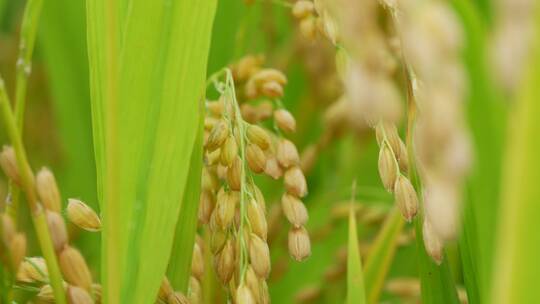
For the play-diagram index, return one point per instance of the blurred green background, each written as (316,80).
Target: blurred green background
(57,134)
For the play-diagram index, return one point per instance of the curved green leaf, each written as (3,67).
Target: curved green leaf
(518,247)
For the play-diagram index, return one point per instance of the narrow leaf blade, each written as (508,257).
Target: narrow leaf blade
(356,293)
(382,254)
(180,262)
(487,121)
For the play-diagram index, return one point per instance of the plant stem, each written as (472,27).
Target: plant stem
(411,119)
(27,41)
(440,287)
(24,62)
(27,179)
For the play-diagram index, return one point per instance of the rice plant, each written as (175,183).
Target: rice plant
(285,151)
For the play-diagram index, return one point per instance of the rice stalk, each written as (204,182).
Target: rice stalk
(236,210)
(27,183)
(29,26)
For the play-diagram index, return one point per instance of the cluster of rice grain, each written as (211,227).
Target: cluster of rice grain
(33,271)
(167,294)
(12,244)
(79,287)
(72,263)
(366,70)
(372,97)
(317,21)
(432,40)
(316,25)
(282,159)
(514,32)
(393,165)
(231,204)
(314,21)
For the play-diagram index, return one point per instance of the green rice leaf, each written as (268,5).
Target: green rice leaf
(180,262)
(147,66)
(437,282)
(468,251)
(487,121)
(518,247)
(356,293)
(382,254)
